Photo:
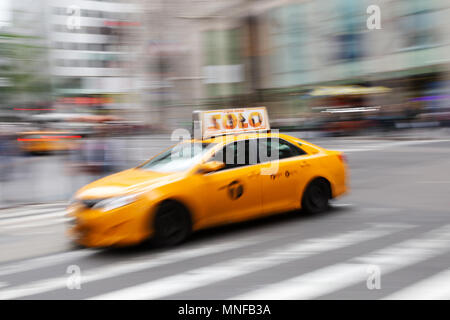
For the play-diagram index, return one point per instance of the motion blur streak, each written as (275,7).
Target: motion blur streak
(91,88)
(42,262)
(320,282)
(436,288)
(114,72)
(234,268)
(123,267)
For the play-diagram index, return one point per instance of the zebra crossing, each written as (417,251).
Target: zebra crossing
(242,266)
(338,276)
(32,216)
(436,287)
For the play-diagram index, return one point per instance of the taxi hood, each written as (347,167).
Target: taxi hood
(132,180)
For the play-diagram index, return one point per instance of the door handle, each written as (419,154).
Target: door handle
(253,174)
(304,163)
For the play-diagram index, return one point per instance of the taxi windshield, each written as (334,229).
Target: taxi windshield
(179,158)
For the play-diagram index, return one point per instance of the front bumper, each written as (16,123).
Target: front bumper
(125,226)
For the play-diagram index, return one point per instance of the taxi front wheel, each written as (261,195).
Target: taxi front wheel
(172,224)
(316,197)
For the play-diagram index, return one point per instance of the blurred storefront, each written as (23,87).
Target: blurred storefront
(156,61)
(274,52)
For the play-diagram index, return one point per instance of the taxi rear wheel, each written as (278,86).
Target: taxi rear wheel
(316,197)
(172,224)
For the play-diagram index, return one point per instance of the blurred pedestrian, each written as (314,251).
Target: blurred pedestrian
(98,153)
(6,154)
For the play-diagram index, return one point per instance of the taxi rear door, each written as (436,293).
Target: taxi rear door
(283,174)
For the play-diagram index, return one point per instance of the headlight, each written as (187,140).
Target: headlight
(116,202)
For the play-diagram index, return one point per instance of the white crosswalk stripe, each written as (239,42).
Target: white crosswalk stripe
(23,213)
(41,262)
(342,275)
(241,266)
(307,285)
(32,208)
(122,268)
(34,217)
(436,287)
(37,224)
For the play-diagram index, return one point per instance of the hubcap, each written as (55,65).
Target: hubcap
(170,224)
(317,196)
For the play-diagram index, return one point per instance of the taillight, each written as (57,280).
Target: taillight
(342,157)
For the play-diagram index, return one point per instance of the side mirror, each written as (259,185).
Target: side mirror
(210,166)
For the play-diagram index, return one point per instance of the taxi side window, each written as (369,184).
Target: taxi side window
(282,148)
(235,154)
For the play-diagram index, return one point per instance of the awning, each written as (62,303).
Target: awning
(347,90)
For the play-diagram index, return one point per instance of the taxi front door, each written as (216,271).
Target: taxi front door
(233,193)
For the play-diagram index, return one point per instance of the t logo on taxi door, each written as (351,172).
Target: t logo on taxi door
(235,189)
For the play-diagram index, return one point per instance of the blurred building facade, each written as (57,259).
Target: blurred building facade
(94,47)
(157,60)
(272,52)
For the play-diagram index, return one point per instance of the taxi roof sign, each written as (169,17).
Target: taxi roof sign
(231,121)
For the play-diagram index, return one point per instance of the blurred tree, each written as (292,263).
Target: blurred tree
(23,71)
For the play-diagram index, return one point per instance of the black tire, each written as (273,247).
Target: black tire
(316,197)
(172,224)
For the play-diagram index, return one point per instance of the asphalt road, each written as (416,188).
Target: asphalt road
(389,238)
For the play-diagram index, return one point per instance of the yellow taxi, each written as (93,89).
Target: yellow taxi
(246,173)
(46,141)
